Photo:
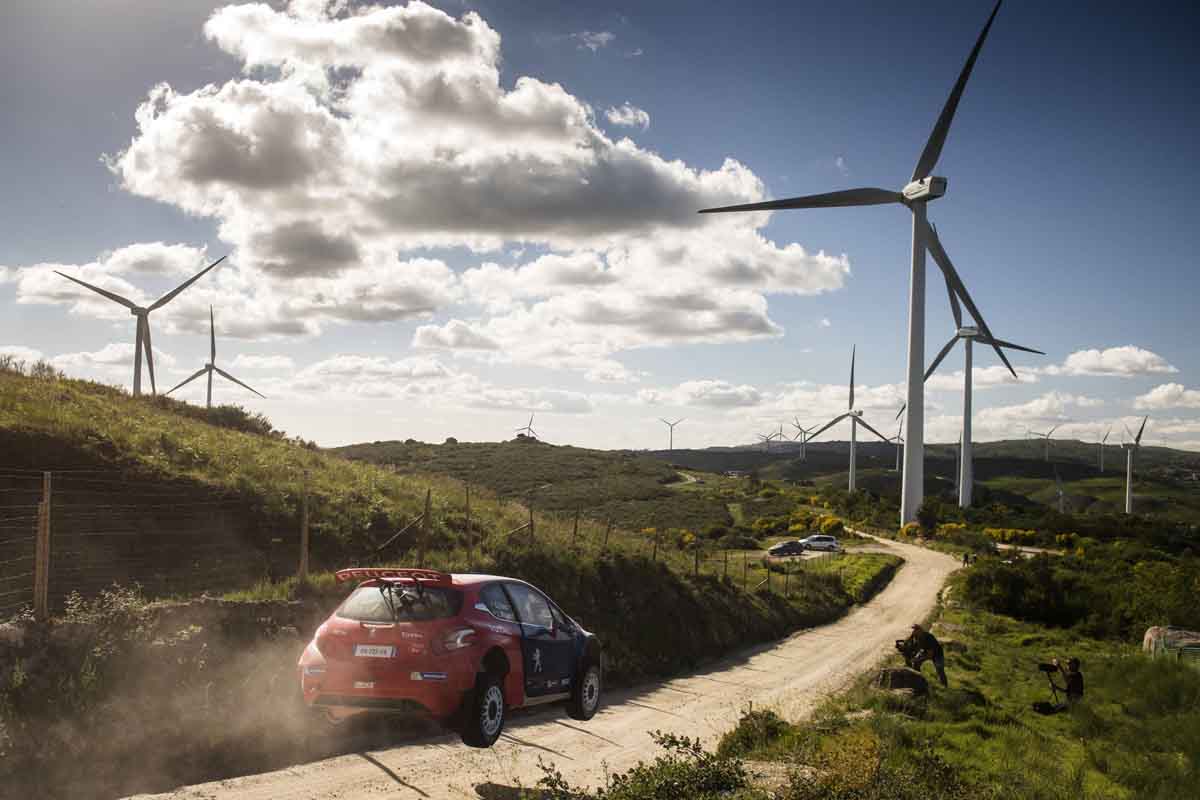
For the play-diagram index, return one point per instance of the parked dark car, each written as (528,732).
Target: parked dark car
(791,548)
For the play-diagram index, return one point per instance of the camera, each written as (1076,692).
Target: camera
(1048,667)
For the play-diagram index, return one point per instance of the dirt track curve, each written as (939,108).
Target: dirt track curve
(790,676)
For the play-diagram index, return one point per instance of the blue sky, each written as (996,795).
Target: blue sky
(1069,213)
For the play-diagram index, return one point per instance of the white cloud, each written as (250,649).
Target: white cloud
(634,53)
(593,40)
(531,400)
(1126,361)
(628,115)
(244,361)
(1168,395)
(708,393)
(454,335)
(21,353)
(1048,408)
(112,355)
(824,322)
(981,378)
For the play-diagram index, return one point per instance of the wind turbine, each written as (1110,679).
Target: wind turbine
(766,439)
(922,187)
(212,367)
(856,419)
(142,338)
(1130,450)
(1045,436)
(899,440)
(803,434)
(968,334)
(671,425)
(1102,441)
(528,429)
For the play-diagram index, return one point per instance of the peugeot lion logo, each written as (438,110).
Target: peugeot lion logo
(537,660)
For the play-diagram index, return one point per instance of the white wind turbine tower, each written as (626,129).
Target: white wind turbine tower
(1130,451)
(922,187)
(766,439)
(899,440)
(1046,437)
(856,419)
(212,367)
(1102,441)
(969,334)
(528,429)
(803,434)
(141,342)
(671,425)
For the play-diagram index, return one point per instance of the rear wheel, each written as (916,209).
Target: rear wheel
(585,694)
(483,714)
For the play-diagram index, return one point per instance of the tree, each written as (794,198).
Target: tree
(927,515)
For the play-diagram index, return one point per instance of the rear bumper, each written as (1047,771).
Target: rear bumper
(396,688)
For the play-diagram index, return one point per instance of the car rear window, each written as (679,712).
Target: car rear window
(411,603)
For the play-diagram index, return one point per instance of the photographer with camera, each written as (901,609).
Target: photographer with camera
(927,648)
(1074,681)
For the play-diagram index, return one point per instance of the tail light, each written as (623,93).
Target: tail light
(330,646)
(458,639)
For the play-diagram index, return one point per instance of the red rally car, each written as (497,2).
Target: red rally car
(463,648)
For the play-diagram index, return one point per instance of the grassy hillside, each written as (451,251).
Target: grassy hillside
(129,469)
(633,490)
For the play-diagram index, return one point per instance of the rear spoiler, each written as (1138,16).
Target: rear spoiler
(415,575)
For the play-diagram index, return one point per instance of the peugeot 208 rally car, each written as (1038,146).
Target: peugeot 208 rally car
(462,648)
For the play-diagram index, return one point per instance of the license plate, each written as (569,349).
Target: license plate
(374,650)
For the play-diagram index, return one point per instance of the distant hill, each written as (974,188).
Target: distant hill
(634,490)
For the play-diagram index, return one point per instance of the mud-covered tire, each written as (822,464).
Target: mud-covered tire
(483,712)
(585,694)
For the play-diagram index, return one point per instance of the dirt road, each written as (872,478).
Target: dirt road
(790,676)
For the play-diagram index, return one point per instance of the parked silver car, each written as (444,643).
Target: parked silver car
(821,542)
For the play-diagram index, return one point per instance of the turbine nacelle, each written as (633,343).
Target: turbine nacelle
(138,312)
(927,188)
(968,332)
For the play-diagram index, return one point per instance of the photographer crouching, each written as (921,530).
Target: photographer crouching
(923,646)
(1074,682)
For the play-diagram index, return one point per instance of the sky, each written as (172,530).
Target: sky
(441,218)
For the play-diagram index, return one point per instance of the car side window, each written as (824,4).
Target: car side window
(560,619)
(532,608)
(496,600)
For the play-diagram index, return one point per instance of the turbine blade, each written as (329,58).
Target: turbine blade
(1106,433)
(1010,345)
(941,355)
(933,147)
(901,411)
(116,298)
(868,196)
(212,334)
(145,323)
(169,296)
(1050,432)
(1141,430)
(853,350)
(862,422)
(187,380)
(227,376)
(955,308)
(827,425)
(934,245)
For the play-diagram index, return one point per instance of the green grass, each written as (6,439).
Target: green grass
(1137,733)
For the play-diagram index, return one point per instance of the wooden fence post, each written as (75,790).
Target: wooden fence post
(767,563)
(787,574)
(470,536)
(41,569)
(607,531)
(575,530)
(426,524)
(302,571)
(696,569)
(726,573)
(531,520)
(745,567)
(654,556)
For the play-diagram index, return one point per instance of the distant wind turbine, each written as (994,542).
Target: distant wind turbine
(212,367)
(1130,451)
(964,477)
(899,441)
(1046,437)
(142,338)
(1102,441)
(802,434)
(528,429)
(922,188)
(671,425)
(856,419)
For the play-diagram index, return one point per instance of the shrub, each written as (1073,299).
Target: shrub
(927,514)
(831,526)
(910,531)
(755,730)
